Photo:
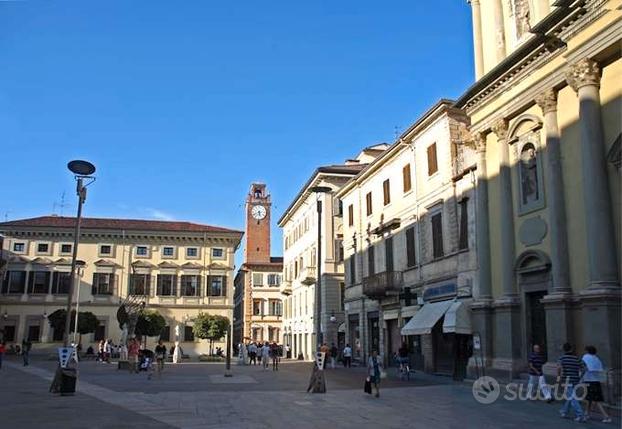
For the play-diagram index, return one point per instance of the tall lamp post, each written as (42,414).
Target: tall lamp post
(82,170)
(80,268)
(318,190)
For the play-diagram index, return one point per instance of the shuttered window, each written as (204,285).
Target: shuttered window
(388,254)
(410,247)
(352,263)
(386,191)
(350,215)
(437,235)
(406,179)
(368,204)
(371,261)
(432,161)
(464,225)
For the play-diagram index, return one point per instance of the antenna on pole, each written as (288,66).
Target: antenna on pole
(62,203)
(396,130)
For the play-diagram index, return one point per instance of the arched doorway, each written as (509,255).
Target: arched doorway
(533,269)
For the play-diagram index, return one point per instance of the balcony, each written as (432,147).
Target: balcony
(383,284)
(286,287)
(308,276)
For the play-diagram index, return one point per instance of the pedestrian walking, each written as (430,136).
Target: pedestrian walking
(324,349)
(160,356)
(569,372)
(333,355)
(274,355)
(374,371)
(26,346)
(132,353)
(265,355)
(2,351)
(536,376)
(100,351)
(252,354)
(107,350)
(347,356)
(594,372)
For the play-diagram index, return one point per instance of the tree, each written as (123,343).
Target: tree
(149,324)
(210,327)
(87,321)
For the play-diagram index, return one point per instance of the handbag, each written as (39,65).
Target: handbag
(367,387)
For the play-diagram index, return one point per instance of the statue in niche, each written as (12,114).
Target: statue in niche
(529,174)
(521,16)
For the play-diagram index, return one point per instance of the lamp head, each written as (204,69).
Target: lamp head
(81,168)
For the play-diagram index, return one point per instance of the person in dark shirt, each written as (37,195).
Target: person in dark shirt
(160,356)
(569,368)
(536,376)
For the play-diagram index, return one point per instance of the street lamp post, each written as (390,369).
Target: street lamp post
(82,170)
(318,283)
(80,269)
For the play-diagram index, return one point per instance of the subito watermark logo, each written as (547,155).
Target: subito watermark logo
(486,390)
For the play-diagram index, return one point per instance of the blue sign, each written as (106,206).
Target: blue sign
(431,293)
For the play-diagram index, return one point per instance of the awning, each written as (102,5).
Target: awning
(424,320)
(457,319)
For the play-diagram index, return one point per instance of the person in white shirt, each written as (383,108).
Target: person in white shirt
(265,355)
(593,375)
(252,353)
(347,356)
(107,351)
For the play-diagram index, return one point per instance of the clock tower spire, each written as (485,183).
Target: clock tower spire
(257,246)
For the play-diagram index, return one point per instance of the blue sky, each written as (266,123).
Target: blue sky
(181,105)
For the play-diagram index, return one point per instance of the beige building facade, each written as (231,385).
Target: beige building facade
(546,123)
(179,269)
(409,244)
(300,262)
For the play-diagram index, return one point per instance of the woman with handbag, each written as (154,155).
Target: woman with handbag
(375,370)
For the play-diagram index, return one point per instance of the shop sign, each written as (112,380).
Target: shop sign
(442,291)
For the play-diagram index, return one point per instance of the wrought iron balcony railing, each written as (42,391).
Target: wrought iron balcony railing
(383,284)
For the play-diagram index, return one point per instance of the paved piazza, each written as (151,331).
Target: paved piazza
(194,395)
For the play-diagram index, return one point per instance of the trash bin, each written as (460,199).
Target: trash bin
(68,379)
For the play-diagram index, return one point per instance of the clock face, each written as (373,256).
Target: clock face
(258,212)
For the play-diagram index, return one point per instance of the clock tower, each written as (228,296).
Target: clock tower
(257,247)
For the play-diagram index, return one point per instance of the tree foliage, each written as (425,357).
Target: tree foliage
(150,323)
(210,327)
(87,321)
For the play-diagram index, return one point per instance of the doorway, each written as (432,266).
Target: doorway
(536,320)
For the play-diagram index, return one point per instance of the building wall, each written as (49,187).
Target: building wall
(177,310)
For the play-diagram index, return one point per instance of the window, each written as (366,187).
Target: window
(464,225)
(99,334)
(140,284)
(350,215)
(66,249)
(406,178)
(274,280)
(19,247)
(60,283)
(39,282)
(188,333)
(105,249)
(165,334)
(34,333)
(342,296)
(8,333)
(257,310)
(368,203)
(388,254)
(142,251)
(352,264)
(14,282)
(257,279)
(432,161)
(43,248)
(216,286)
(167,285)
(190,285)
(192,252)
(386,191)
(168,251)
(437,235)
(275,308)
(371,261)
(410,247)
(103,284)
(218,253)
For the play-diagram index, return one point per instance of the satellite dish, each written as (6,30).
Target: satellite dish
(81,168)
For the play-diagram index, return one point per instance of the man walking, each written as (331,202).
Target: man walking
(252,354)
(26,346)
(347,356)
(536,377)
(265,355)
(274,355)
(333,355)
(569,372)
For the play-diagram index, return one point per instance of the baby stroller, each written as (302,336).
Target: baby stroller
(146,361)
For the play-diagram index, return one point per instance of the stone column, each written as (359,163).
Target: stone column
(507,331)
(601,299)
(481,308)
(499,31)
(477,38)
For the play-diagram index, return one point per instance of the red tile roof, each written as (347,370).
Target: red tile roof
(118,224)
